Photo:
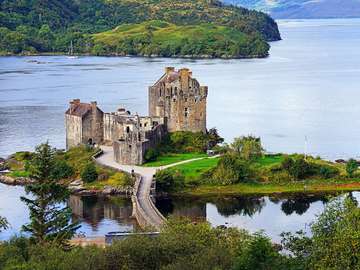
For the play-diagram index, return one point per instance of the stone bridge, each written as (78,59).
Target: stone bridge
(144,209)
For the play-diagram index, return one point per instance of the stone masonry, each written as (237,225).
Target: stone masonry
(177,102)
(179,98)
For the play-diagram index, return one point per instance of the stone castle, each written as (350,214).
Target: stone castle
(177,102)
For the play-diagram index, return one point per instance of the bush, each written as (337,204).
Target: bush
(89,174)
(168,180)
(328,171)
(351,167)
(297,167)
(151,154)
(230,170)
(62,170)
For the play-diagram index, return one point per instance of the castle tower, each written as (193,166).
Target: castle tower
(180,98)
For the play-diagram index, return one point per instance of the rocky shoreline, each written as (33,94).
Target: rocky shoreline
(76,187)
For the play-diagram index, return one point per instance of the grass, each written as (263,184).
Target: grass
(18,173)
(269,160)
(117,180)
(311,186)
(193,170)
(168,159)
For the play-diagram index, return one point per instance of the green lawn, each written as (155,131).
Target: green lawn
(270,160)
(172,158)
(310,186)
(194,169)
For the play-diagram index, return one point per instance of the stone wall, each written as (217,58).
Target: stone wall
(180,98)
(132,147)
(73,126)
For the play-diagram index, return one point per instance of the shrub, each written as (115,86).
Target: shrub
(151,154)
(62,170)
(89,174)
(297,167)
(328,171)
(168,180)
(230,170)
(249,148)
(351,167)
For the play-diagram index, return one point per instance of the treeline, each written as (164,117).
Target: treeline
(35,26)
(334,244)
(158,38)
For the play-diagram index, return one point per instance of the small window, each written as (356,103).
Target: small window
(160,92)
(145,124)
(140,125)
(186,114)
(130,146)
(185,99)
(127,129)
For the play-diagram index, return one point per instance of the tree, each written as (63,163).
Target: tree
(335,241)
(214,137)
(248,147)
(351,167)
(62,170)
(167,180)
(3,224)
(89,174)
(260,254)
(49,220)
(230,170)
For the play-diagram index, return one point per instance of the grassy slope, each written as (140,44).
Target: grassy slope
(194,169)
(172,158)
(201,39)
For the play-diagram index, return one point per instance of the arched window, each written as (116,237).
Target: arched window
(127,129)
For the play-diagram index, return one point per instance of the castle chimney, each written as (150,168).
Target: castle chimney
(169,69)
(73,105)
(184,77)
(93,104)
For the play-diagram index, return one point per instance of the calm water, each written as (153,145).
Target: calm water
(309,86)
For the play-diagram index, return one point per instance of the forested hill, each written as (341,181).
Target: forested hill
(303,9)
(49,26)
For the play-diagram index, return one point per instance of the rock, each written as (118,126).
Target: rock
(3,165)
(19,181)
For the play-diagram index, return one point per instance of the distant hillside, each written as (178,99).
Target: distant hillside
(49,26)
(159,38)
(304,9)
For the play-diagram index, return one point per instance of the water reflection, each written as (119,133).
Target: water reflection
(93,210)
(274,214)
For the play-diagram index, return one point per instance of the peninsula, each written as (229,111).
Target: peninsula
(189,28)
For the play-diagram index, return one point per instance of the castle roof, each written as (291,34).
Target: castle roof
(79,109)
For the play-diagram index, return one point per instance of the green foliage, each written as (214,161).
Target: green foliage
(49,221)
(190,142)
(3,224)
(89,173)
(167,181)
(167,40)
(151,154)
(297,167)
(38,26)
(351,167)
(62,170)
(248,148)
(230,170)
(335,243)
(260,254)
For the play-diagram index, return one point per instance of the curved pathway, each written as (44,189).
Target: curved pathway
(147,208)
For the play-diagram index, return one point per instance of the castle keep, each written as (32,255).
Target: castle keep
(177,102)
